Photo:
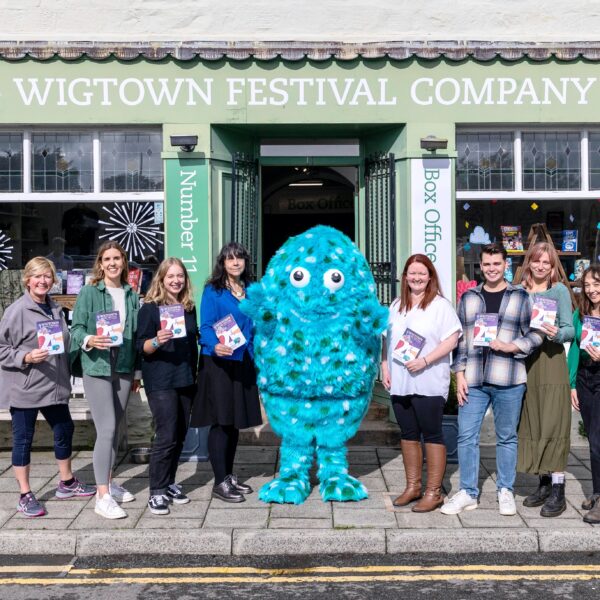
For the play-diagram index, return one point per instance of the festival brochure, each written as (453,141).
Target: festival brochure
(75,281)
(590,332)
(109,323)
(172,317)
(512,239)
(409,346)
(543,312)
(486,329)
(569,241)
(50,336)
(229,332)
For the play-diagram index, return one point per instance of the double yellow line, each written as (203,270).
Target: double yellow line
(68,575)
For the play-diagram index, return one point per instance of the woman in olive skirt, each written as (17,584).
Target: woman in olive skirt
(545,426)
(227,397)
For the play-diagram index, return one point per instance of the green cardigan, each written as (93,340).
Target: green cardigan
(575,353)
(93,299)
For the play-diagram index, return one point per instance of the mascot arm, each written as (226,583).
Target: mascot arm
(371,320)
(257,306)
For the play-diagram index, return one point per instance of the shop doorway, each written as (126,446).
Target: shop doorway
(296,198)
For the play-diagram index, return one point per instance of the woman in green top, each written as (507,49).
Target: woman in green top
(545,426)
(584,369)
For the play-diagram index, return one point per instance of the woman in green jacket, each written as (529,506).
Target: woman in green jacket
(584,370)
(107,369)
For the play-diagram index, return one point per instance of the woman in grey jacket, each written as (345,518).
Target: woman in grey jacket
(34,380)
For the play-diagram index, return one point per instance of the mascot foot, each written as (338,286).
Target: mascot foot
(343,488)
(285,490)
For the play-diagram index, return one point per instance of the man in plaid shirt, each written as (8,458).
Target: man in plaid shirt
(493,375)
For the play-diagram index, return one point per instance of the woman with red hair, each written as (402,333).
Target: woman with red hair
(419,387)
(545,425)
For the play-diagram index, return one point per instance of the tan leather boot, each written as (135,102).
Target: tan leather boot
(412,456)
(436,467)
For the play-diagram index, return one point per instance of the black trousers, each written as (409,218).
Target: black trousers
(171,412)
(420,416)
(588,392)
(222,444)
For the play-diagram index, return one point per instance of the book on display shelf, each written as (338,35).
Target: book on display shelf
(486,329)
(75,281)
(512,239)
(543,312)
(569,240)
(50,336)
(581,264)
(108,323)
(229,333)
(409,346)
(172,317)
(134,278)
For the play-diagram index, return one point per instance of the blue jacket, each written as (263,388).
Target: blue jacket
(215,305)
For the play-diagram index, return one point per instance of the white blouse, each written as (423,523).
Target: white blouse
(436,323)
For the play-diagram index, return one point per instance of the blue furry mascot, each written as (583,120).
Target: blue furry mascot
(317,342)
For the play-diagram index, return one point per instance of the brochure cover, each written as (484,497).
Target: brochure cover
(75,281)
(590,332)
(229,333)
(569,241)
(486,329)
(50,336)
(172,317)
(409,346)
(108,323)
(581,264)
(134,278)
(543,312)
(512,239)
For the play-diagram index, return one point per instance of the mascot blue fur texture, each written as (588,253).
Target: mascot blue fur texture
(317,341)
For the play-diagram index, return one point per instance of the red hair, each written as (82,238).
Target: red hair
(534,253)
(432,290)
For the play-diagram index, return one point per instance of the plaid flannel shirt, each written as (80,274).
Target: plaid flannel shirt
(501,368)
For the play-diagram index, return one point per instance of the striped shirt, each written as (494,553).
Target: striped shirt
(500,368)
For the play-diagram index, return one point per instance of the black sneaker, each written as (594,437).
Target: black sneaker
(175,495)
(159,505)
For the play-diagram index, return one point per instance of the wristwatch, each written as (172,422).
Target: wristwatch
(155,343)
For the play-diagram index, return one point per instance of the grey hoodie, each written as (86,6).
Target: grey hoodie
(31,385)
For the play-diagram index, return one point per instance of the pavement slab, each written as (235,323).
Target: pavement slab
(238,518)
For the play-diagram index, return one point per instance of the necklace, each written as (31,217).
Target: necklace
(237,293)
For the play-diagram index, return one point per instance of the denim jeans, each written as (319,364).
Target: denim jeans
(506,404)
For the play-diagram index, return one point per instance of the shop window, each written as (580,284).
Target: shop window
(131,162)
(485,161)
(551,160)
(11,162)
(62,162)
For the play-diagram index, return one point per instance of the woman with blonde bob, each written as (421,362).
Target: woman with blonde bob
(33,380)
(545,425)
(169,367)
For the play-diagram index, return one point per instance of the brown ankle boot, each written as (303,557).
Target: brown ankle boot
(436,467)
(412,456)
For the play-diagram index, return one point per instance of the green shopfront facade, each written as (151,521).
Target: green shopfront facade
(283,145)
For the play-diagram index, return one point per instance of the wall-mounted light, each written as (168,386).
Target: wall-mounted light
(306,184)
(431,143)
(187,143)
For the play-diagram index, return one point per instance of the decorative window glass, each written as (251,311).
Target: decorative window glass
(551,160)
(62,162)
(594,159)
(485,161)
(11,162)
(131,162)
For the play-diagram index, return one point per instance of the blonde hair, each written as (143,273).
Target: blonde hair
(158,293)
(38,265)
(534,253)
(98,271)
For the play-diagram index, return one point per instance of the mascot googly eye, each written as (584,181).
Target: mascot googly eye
(333,280)
(299,277)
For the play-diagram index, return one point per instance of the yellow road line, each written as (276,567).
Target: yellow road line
(307,579)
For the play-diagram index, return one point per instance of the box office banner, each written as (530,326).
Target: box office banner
(431,215)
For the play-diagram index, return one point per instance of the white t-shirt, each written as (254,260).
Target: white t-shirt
(436,323)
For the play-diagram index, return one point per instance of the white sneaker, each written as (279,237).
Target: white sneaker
(459,502)
(506,502)
(107,507)
(119,493)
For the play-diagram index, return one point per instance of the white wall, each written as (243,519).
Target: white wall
(307,20)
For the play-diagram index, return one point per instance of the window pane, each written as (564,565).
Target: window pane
(485,161)
(551,161)
(62,162)
(594,159)
(11,162)
(131,162)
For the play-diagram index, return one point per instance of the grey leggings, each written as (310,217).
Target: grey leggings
(107,397)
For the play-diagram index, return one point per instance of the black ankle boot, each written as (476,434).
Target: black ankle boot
(539,496)
(226,492)
(555,504)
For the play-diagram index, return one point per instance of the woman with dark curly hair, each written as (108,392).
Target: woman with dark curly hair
(227,397)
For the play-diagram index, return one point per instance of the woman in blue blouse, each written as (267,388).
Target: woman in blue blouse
(227,397)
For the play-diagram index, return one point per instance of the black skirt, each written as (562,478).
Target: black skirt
(227,393)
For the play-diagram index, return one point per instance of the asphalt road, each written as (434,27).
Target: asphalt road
(451,577)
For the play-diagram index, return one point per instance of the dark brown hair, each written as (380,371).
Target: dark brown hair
(494,248)
(585,305)
(432,290)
